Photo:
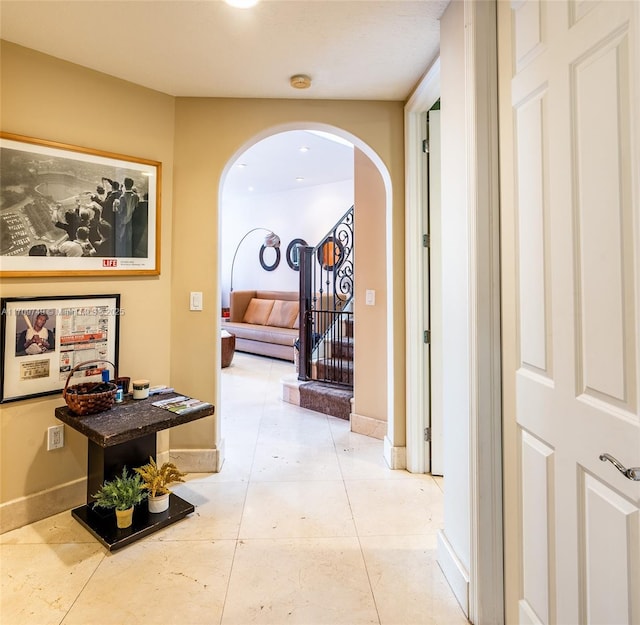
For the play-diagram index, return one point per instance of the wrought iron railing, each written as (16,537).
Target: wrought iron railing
(326,292)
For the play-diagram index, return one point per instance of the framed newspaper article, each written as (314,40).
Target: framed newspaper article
(67,210)
(43,338)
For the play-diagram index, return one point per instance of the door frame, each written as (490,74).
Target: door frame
(485,590)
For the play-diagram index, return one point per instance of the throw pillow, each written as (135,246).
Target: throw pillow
(258,311)
(283,314)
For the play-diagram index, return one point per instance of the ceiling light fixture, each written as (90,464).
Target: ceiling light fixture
(304,148)
(299,179)
(300,81)
(242,4)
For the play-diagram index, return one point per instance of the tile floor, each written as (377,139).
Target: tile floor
(305,525)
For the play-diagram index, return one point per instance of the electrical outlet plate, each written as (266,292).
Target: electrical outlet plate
(55,437)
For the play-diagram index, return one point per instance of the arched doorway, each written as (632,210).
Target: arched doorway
(370,164)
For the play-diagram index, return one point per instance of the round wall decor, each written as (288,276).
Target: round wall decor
(275,263)
(330,253)
(293,253)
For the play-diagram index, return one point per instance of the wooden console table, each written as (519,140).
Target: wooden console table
(125,435)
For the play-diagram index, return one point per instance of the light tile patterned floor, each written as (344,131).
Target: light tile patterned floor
(304,525)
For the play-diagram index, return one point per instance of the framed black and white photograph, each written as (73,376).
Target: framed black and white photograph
(68,210)
(44,338)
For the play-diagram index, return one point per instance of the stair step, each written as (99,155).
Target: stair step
(335,370)
(342,348)
(326,398)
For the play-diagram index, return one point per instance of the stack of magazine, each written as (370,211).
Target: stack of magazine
(182,404)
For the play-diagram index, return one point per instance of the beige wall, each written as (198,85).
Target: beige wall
(208,134)
(370,344)
(49,99)
(193,138)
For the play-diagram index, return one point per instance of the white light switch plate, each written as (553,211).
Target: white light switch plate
(195,301)
(370,297)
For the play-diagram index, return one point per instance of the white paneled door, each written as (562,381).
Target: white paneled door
(575,108)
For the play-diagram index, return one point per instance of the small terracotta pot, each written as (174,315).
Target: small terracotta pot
(124,518)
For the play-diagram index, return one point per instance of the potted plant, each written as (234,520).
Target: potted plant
(156,481)
(121,493)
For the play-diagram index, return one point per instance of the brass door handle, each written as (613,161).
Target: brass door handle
(633,473)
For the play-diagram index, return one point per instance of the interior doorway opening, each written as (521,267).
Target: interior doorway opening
(230,216)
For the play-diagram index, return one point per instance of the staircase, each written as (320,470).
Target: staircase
(333,391)
(325,358)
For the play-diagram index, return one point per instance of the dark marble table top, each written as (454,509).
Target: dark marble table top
(129,420)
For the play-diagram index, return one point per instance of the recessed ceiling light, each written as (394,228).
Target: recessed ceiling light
(242,165)
(242,4)
(304,148)
(299,178)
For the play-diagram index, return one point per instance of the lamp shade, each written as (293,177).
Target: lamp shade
(270,240)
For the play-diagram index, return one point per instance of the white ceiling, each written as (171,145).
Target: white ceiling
(357,49)
(277,163)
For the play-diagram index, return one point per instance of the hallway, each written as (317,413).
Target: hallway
(304,525)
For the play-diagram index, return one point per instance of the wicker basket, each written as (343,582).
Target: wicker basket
(80,398)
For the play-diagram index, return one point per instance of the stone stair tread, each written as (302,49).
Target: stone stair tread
(335,370)
(326,398)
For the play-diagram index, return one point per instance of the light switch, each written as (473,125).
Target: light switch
(370,297)
(195,302)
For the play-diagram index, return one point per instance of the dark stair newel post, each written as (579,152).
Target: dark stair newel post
(306,321)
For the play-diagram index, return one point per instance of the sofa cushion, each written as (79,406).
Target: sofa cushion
(262,333)
(258,311)
(283,314)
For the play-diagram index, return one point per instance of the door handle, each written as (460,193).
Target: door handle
(633,473)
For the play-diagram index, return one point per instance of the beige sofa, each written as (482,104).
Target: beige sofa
(265,322)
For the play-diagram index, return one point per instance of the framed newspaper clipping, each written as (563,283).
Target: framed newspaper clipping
(44,338)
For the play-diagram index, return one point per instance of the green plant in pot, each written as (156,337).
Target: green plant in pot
(156,481)
(121,493)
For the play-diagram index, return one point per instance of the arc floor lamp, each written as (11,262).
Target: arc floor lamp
(270,240)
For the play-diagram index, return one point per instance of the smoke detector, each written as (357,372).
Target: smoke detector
(300,81)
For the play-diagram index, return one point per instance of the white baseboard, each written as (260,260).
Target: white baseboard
(32,508)
(395,457)
(162,457)
(454,571)
(196,460)
(368,426)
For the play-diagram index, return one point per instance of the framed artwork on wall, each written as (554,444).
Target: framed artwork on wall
(43,338)
(330,253)
(275,261)
(293,253)
(67,210)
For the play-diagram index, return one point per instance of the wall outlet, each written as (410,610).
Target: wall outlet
(55,437)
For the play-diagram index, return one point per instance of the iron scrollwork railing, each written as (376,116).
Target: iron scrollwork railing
(326,291)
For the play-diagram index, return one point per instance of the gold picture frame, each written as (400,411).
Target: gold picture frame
(67,210)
